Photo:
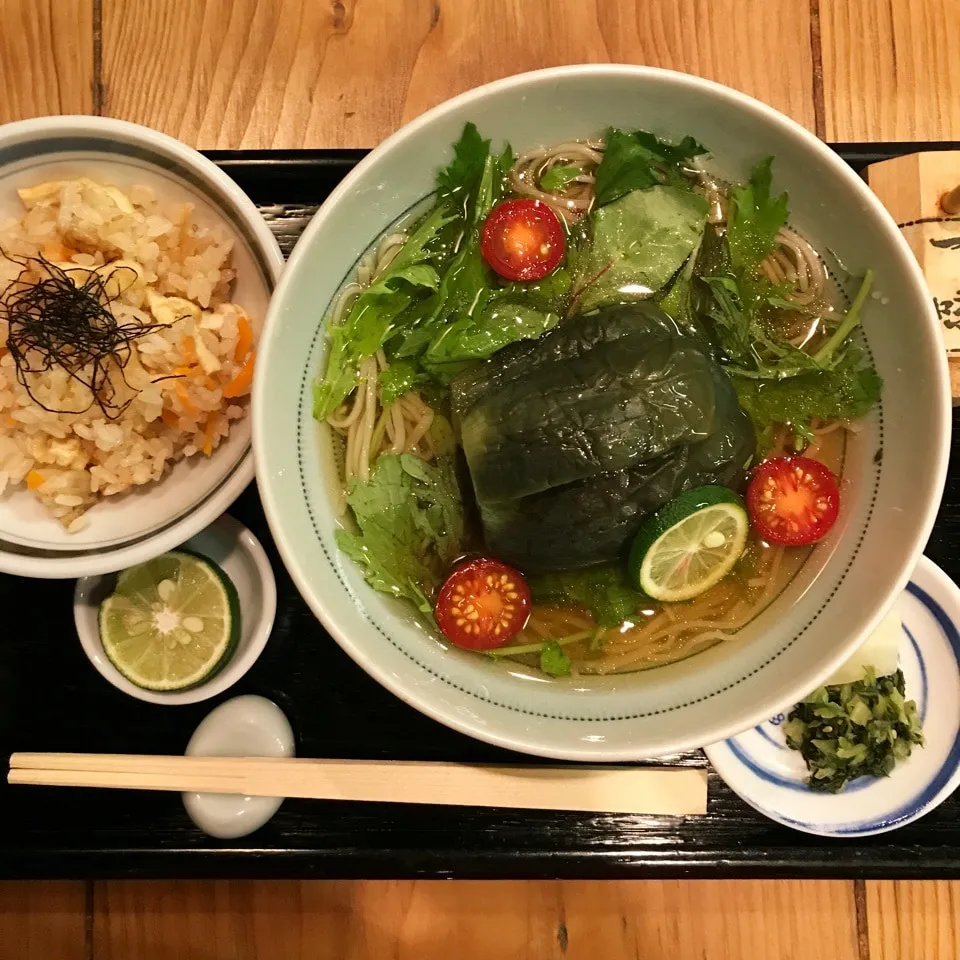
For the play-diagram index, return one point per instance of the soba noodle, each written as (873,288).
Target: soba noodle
(795,263)
(368,428)
(576,198)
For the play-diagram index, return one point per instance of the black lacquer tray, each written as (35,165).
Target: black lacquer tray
(52,699)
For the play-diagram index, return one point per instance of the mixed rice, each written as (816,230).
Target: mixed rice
(179,388)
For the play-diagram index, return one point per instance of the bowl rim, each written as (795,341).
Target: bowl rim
(236,476)
(325,611)
(230,530)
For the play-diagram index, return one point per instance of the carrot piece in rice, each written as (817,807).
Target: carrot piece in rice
(35,480)
(244,339)
(242,382)
(210,433)
(56,250)
(188,405)
(189,350)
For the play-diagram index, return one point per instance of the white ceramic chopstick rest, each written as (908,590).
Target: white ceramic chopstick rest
(247,726)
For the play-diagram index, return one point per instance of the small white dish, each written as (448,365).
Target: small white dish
(246,726)
(760,768)
(237,552)
(194,491)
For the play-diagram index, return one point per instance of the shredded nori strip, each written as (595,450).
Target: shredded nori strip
(55,322)
(852,730)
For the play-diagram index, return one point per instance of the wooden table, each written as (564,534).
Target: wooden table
(345,73)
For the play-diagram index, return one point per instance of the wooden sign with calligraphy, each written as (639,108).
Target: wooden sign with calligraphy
(912,188)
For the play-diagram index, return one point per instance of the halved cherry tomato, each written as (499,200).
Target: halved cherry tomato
(523,240)
(482,604)
(792,500)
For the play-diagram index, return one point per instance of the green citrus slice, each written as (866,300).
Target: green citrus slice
(171,622)
(690,544)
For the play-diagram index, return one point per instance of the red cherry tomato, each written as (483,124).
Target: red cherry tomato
(523,240)
(483,604)
(792,500)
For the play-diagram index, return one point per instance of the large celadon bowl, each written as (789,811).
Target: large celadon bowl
(893,475)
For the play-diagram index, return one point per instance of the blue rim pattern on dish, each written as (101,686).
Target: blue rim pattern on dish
(906,811)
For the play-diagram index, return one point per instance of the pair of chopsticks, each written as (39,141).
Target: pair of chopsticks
(651,790)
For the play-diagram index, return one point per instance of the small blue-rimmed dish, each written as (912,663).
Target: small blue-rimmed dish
(760,767)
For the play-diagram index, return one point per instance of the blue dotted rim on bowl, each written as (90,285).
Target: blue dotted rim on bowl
(759,767)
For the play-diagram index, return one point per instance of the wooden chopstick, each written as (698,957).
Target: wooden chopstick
(606,789)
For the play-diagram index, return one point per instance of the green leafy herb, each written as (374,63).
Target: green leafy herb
(638,160)
(471,317)
(636,245)
(414,306)
(522,649)
(399,378)
(409,517)
(459,180)
(755,217)
(848,391)
(752,350)
(556,178)
(554,660)
(854,730)
(501,321)
(776,381)
(373,317)
(603,590)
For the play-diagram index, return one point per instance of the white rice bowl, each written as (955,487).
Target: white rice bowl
(113,479)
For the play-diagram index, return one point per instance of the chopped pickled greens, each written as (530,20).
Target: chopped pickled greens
(854,730)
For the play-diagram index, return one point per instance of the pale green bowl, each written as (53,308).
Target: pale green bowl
(889,502)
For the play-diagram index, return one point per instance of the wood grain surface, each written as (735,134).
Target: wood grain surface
(434,920)
(891,69)
(43,921)
(913,919)
(46,58)
(346,73)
